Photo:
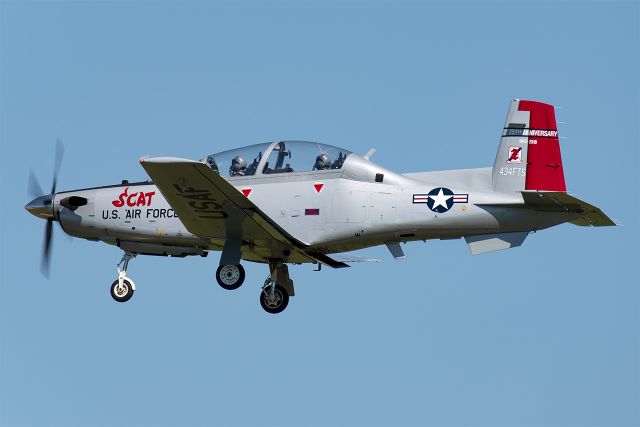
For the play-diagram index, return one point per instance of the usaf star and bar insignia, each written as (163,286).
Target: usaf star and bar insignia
(440,199)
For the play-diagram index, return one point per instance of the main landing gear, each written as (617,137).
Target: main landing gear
(122,288)
(273,298)
(230,277)
(276,290)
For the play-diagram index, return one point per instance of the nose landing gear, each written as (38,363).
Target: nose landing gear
(122,288)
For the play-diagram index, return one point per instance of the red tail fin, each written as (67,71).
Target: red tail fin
(544,162)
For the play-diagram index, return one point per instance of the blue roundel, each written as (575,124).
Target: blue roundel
(440,199)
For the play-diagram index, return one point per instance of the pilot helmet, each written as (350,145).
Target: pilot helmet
(238,166)
(322,162)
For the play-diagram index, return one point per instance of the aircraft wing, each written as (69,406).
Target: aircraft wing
(210,207)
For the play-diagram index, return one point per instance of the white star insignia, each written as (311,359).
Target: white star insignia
(440,200)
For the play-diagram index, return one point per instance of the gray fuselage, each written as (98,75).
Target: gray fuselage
(330,210)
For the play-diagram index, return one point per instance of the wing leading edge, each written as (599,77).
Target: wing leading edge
(211,207)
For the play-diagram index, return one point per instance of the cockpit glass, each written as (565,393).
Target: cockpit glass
(304,156)
(239,161)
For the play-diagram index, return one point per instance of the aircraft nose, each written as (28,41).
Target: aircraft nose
(42,207)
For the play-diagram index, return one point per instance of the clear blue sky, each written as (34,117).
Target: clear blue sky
(543,335)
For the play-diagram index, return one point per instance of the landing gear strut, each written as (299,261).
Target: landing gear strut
(122,288)
(277,288)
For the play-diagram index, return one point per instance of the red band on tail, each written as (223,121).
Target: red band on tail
(544,162)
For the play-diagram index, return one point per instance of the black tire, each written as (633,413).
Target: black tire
(230,277)
(269,306)
(122,297)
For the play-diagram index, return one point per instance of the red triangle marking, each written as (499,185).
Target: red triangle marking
(318,186)
(246,191)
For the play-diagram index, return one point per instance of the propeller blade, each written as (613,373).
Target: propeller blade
(46,249)
(34,188)
(56,165)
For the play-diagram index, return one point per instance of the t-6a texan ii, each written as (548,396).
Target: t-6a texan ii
(293,202)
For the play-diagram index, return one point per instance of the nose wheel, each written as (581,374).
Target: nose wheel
(122,288)
(122,292)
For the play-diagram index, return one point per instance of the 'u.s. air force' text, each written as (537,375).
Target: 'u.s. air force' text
(139,213)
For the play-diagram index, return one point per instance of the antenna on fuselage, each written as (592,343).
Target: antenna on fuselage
(370,153)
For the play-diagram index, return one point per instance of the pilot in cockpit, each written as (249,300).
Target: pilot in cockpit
(212,163)
(323,162)
(238,166)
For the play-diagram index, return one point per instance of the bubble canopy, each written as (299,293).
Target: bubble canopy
(276,158)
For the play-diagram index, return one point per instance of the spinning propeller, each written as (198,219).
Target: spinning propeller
(42,206)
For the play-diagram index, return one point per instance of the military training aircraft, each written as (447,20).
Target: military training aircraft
(293,202)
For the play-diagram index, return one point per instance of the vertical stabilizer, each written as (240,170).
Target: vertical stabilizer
(529,154)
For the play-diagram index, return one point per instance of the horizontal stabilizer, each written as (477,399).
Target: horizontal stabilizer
(495,242)
(552,201)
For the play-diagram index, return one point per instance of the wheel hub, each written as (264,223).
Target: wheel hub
(274,299)
(121,290)
(229,274)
